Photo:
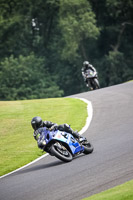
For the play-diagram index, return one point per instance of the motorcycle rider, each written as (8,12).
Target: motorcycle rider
(86,66)
(37,123)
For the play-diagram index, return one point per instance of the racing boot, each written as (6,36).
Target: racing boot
(68,129)
(77,136)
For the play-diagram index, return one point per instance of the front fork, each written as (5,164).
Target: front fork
(88,81)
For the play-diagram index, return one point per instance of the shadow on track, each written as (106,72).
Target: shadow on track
(43,166)
(39,167)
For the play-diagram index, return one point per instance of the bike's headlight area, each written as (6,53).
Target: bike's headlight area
(44,142)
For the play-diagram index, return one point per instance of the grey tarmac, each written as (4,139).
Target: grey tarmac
(111,163)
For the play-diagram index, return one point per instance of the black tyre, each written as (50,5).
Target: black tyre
(96,84)
(88,148)
(60,152)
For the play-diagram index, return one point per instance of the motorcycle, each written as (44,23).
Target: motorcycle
(92,80)
(63,145)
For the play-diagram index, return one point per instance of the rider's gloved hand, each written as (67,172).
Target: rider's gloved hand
(53,128)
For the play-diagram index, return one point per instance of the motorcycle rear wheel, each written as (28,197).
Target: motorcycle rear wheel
(60,152)
(88,148)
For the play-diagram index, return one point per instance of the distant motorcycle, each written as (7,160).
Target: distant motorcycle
(63,145)
(92,79)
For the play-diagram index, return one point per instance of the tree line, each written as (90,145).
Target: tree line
(44,43)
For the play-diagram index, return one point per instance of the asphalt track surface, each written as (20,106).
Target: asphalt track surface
(111,163)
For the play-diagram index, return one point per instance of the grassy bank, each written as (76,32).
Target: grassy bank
(17,145)
(121,192)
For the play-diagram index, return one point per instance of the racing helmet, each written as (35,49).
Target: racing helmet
(36,122)
(85,63)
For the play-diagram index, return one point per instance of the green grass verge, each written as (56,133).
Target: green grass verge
(17,145)
(121,192)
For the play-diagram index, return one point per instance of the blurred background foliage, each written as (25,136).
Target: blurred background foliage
(43,45)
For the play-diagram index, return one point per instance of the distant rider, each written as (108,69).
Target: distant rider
(37,123)
(86,66)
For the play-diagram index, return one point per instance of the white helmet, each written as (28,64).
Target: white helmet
(85,63)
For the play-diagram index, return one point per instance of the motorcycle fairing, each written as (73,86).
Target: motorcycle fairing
(63,137)
(69,140)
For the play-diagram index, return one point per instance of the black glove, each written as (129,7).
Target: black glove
(54,128)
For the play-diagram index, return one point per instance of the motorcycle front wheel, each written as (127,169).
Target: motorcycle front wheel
(60,152)
(95,83)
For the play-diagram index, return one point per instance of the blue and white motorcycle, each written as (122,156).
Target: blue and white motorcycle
(63,145)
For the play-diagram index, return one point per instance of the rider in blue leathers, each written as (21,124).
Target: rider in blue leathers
(37,123)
